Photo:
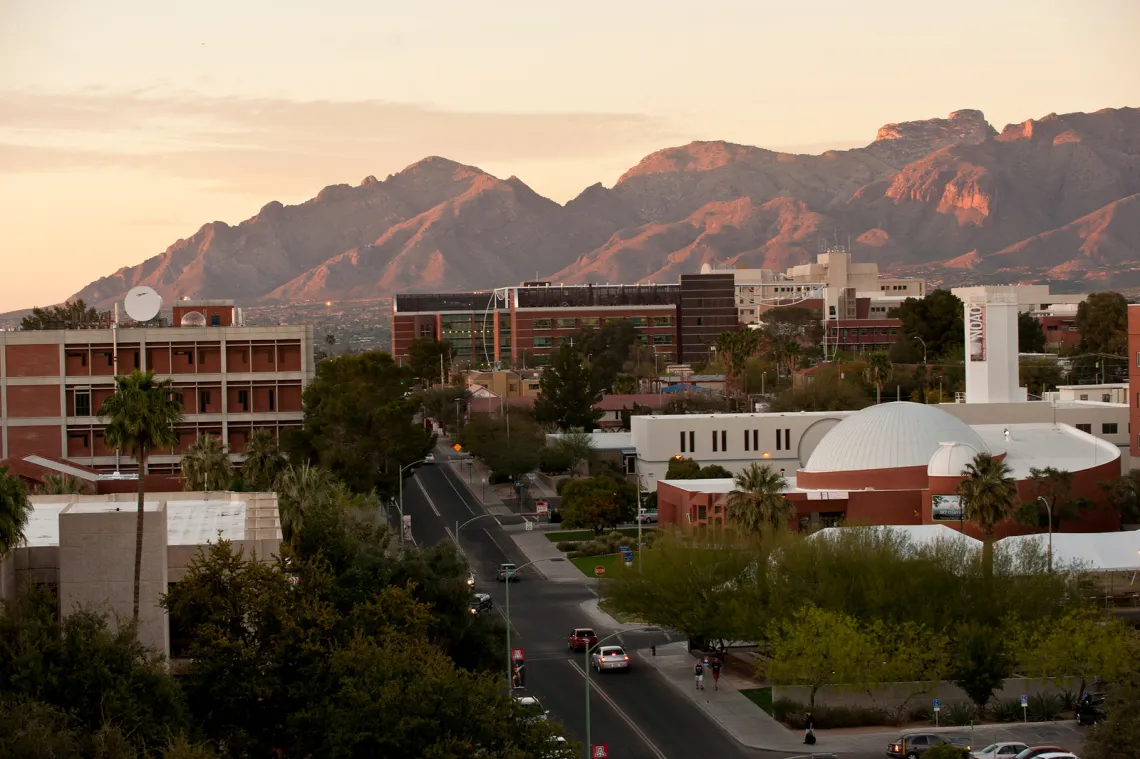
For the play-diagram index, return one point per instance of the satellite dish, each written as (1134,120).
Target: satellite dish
(142,303)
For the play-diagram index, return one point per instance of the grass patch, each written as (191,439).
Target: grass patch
(612,562)
(620,616)
(762,697)
(569,535)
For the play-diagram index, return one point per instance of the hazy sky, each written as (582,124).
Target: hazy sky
(127,124)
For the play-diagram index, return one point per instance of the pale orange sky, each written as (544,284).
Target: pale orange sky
(125,125)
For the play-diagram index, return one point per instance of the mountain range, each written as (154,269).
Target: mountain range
(1053,199)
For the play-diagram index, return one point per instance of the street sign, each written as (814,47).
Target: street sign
(542,507)
(517,654)
(532,477)
(937,705)
(457,447)
(529,525)
(600,751)
(599,571)
(1024,702)
(407,520)
(623,549)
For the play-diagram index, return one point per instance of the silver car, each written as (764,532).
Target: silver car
(610,657)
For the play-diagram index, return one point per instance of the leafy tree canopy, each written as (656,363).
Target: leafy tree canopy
(936,319)
(424,355)
(358,424)
(1102,319)
(567,392)
(510,445)
(14,511)
(448,405)
(826,392)
(603,501)
(1030,336)
(70,315)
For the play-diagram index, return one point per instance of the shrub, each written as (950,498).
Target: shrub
(1068,700)
(1007,711)
(958,713)
(555,516)
(567,545)
(792,714)
(943,751)
(1044,707)
(555,459)
(498,478)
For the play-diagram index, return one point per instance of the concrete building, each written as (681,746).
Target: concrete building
(233,380)
(84,546)
(1134,379)
(1055,312)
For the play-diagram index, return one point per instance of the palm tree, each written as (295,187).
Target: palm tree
(63,484)
(988,494)
(757,502)
(206,464)
(300,489)
(734,349)
(14,511)
(263,459)
(879,370)
(140,416)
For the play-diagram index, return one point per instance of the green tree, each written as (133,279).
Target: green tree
(1030,336)
(1124,493)
(1081,645)
(936,319)
(757,503)
(826,392)
(429,359)
(714,472)
(988,494)
(879,372)
(734,349)
(510,445)
(816,648)
(1055,487)
(448,405)
(64,484)
(70,315)
(800,325)
(567,393)
(14,511)
(1040,376)
(141,416)
(607,350)
(681,468)
(301,488)
(624,384)
(206,464)
(1102,319)
(262,461)
(358,424)
(981,661)
(1119,736)
(598,502)
(911,654)
(579,447)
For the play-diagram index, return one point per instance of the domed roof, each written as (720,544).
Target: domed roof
(950,459)
(890,436)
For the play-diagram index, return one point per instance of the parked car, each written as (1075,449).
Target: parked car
(1003,750)
(610,657)
(1033,752)
(480,603)
(508,573)
(532,708)
(429,459)
(1091,711)
(581,639)
(914,745)
(647,517)
(1057,755)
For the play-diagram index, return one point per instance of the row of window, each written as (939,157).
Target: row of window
(852,332)
(594,321)
(1107,428)
(885,288)
(542,341)
(688,440)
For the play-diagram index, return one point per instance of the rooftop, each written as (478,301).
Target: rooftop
(1043,445)
(604,441)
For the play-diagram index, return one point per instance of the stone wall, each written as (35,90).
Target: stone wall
(893,695)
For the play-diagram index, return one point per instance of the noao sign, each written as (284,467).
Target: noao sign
(976,331)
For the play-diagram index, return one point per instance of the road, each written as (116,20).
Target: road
(638,715)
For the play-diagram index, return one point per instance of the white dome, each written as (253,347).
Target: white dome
(890,436)
(951,458)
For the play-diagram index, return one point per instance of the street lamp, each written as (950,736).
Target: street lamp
(1049,511)
(916,337)
(459,527)
(401,503)
(508,581)
(589,651)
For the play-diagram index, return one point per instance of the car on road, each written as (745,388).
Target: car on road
(581,639)
(481,602)
(1001,750)
(1033,752)
(532,709)
(508,573)
(429,459)
(914,745)
(608,658)
(647,517)
(470,579)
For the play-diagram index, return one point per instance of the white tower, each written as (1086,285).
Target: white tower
(991,347)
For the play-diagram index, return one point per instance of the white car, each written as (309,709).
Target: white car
(647,517)
(1006,750)
(533,707)
(429,459)
(610,657)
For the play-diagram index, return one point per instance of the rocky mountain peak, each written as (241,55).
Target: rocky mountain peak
(907,141)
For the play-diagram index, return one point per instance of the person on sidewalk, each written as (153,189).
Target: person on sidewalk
(809,729)
(715,667)
(699,674)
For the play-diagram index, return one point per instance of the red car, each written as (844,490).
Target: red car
(581,639)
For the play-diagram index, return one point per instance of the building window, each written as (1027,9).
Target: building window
(1084,396)
(639,321)
(755,440)
(692,441)
(1106,398)
(566,323)
(541,360)
(787,440)
(1108,428)
(542,342)
(590,321)
(715,449)
(683,441)
(702,513)
(1084,428)
(543,324)
(746,441)
(203,401)
(215,321)
(83,402)
(724,441)
(662,321)
(243,399)
(272,399)
(662,339)
(779,441)
(700,321)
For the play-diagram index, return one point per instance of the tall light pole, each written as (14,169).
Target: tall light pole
(589,651)
(507,582)
(916,337)
(1049,511)
(400,477)
(459,527)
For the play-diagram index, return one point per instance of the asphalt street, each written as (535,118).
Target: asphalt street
(637,715)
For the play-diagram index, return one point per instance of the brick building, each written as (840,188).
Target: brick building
(233,379)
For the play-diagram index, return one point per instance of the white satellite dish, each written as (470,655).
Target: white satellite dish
(142,303)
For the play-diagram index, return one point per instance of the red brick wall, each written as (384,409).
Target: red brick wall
(225,314)
(263,358)
(32,360)
(237,358)
(884,507)
(45,440)
(27,401)
(879,479)
(289,357)
(289,398)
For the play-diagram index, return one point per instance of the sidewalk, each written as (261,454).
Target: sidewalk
(552,563)
(753,727)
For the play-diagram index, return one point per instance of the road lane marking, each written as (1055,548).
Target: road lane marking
(496,542)
(625,717)
(423,490)
(448,477)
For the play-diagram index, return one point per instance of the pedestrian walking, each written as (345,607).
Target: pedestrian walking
(715,667)
(809,729)
(699,674)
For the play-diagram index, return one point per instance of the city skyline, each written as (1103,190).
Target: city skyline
(127,128)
